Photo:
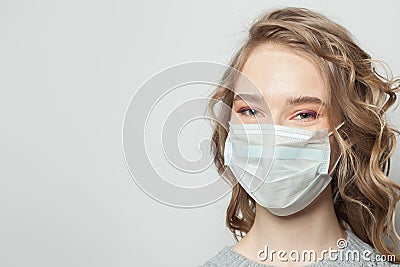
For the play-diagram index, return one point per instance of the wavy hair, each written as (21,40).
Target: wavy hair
(365,197)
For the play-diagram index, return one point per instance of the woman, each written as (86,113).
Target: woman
(322,94)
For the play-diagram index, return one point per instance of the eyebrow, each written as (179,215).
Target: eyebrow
(294,100)
(249,97)
(304,100)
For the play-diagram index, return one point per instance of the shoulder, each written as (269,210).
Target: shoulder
(228,257)
(357,250)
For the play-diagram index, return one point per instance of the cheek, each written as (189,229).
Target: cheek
(234,117)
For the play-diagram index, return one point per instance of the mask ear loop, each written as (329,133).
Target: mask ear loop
(336,163)
(336,193)
(337,128)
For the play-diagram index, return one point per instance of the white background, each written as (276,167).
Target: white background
(68,71)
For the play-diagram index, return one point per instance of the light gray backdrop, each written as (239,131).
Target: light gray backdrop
(68,72)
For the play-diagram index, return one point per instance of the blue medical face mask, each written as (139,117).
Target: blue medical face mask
(282,168)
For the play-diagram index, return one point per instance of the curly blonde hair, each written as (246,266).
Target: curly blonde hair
(365,196)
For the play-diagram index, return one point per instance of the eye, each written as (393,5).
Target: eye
(251,112)
(307,115)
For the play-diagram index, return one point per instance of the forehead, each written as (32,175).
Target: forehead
(280,72)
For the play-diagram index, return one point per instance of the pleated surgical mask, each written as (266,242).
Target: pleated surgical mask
(282,168)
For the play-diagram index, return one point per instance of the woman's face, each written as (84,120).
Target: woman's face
(291,85)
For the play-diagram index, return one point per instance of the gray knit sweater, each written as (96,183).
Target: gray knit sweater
(371,257)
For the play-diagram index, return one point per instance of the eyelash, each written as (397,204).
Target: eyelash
(308,112)
(311,113)
(245,109)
